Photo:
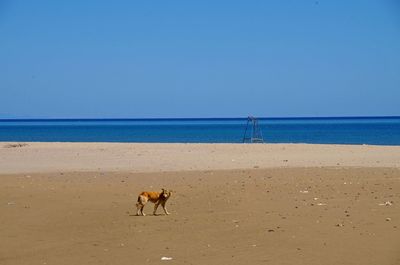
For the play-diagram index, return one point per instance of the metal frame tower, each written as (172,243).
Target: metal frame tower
(255,131)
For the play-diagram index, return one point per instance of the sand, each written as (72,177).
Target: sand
(232,204)
(53,157)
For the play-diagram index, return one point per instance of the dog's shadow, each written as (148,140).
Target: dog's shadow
(148,215)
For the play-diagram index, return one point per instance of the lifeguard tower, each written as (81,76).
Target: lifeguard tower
(255,134)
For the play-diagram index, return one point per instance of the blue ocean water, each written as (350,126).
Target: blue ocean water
(364,130)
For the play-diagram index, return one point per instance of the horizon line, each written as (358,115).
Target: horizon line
(183,118)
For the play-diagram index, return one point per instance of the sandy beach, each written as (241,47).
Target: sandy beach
(142,157)
(74,203)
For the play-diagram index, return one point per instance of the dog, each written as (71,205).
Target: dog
(155,197)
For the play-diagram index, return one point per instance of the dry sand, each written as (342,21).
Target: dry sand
(54,157)
(259,204)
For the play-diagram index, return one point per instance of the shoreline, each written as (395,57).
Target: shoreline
(188,143)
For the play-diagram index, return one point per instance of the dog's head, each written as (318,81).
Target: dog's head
(166,193)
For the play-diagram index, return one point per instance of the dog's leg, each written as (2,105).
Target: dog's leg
(165,208)
(155,207)
(138,207)
(141,210)
(142,200)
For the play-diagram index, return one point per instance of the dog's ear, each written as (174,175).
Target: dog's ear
(163,189)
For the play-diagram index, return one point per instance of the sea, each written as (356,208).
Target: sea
(336,130)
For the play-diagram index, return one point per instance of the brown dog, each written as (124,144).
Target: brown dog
(155,197)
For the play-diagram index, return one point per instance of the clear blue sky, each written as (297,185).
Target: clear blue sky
(143,59)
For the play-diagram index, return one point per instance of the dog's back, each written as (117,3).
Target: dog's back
(152,196)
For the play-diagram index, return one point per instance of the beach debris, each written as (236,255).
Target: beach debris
(304,191)
(11,203)
(388,203)
(15,145)
(321,204)
(340,225)
(166,258)
(315,199)
(271,230)
(388,219)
